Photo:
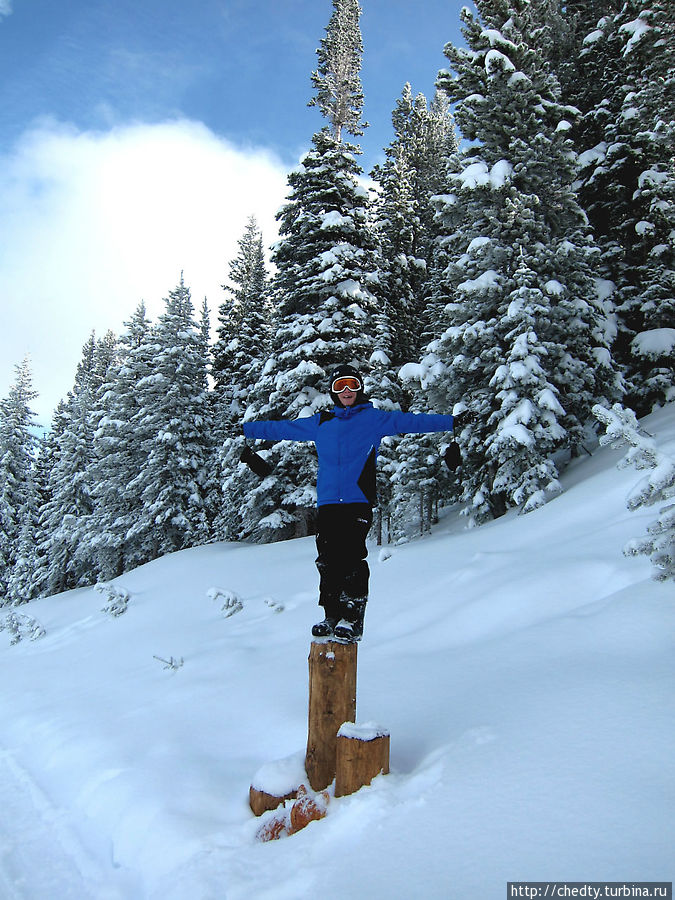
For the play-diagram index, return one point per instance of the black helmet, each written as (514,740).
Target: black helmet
(346,371)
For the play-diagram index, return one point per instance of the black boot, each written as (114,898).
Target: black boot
(326,627)
(350,626)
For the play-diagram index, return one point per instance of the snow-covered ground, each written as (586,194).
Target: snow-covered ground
(524,670)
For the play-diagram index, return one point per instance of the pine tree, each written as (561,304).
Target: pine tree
(325,310)
(239,355)
(657,486)
(244,328)
(627,183)
(118,452)
(17,460)
(174,430)
(512,228)
(337,81)
(21,585)
(415,170)
(64,519)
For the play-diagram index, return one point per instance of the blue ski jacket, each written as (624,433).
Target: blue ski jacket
(346,443)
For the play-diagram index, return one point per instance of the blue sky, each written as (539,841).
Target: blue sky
(137,137)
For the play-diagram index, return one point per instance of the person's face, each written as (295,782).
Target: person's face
(347,397)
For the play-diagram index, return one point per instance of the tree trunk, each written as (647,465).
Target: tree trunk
(332,701)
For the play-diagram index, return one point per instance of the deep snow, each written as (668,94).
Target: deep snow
(524,670)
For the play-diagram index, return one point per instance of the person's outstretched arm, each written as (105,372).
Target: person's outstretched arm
(283,429)
(396,422)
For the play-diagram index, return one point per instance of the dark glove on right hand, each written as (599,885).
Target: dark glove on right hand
(255,462)
(465,417)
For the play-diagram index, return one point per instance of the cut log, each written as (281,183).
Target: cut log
(275,782)
(277,826)
(362,752)
(307,808)
(261,802)
(332,701)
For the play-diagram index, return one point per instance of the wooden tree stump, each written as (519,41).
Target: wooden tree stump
(276,782)
(332,701)
(362,752)
(261,802)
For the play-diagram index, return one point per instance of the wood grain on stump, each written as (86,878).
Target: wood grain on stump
(332,701)
(362,752)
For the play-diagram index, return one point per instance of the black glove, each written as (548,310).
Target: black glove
(453,456)
(255,462)
(465,417)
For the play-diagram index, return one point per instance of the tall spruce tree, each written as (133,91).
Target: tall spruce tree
(18,498)
(64,517)
(239,355)
(325,310)
(514,235)
(337,80)
(627,184)
(174,429)
(415,170)
(118,453)
(243,328)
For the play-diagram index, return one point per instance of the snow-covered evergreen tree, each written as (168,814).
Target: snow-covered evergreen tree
(63,519)
(416,168)
(21,585)
(118,450)
(325,311)
(175,435)
(17,460)
(657,486)
(243,328)
(339,94)
(627,183)
(513,230)
(414,171)
(239,355)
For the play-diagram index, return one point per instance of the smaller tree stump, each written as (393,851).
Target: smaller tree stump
(261,802)
(276,782)
(362,753)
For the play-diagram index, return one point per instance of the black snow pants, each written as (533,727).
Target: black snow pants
(341,543)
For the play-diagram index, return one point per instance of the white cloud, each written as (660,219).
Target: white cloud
(93,222)
(5,8)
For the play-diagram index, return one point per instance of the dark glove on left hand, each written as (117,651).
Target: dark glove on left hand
(453,456)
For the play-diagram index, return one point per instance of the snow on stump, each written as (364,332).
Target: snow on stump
(276,782)
(362,753)
(332,701)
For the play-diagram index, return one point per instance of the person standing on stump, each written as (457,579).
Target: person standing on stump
(346,440)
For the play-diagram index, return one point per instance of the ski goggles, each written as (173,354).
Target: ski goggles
(346,382)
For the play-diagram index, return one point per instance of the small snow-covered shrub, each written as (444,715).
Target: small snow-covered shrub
(655,487)
(274,605)
(232,603)
(20,626)
(117,599)
(171,663)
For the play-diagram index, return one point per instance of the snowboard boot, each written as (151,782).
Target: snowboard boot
(325,628)
(350,626)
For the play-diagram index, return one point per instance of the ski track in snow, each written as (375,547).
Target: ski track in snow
(40,856)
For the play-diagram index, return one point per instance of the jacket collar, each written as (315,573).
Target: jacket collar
(346,412)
